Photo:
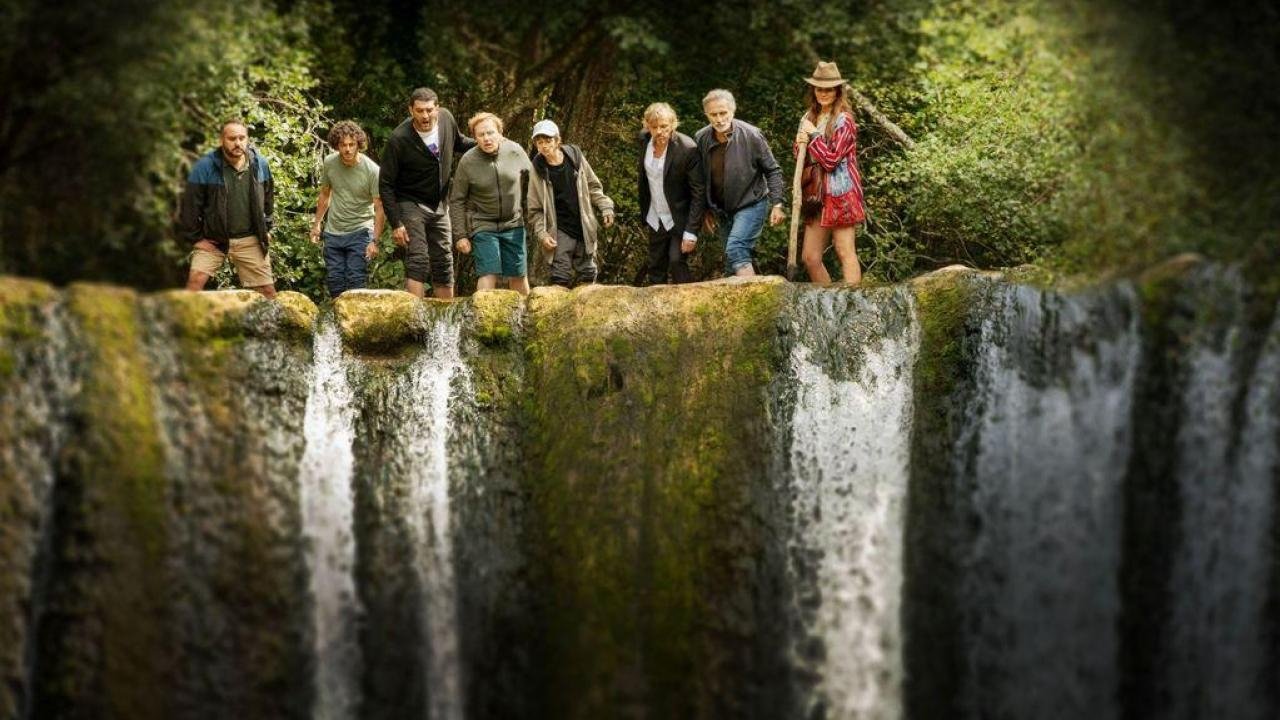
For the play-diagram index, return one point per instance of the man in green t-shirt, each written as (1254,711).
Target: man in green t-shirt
(349,211)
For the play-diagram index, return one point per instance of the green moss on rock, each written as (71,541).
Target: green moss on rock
(943,300)
(20,302)
(649,442)
(495,316)
(207,315)
(297,311)
(380,321)
(108,651)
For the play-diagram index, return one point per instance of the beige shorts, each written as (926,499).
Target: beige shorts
(247,257)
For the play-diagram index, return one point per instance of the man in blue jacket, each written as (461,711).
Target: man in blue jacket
(226,212)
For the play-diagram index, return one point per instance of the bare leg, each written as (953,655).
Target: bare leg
(816,239)
(519,284)
(267,290)
(486,282)
(415,287)
(441,292)
(843,239)
(196,280)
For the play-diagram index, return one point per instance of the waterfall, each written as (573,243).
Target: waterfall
(1049,429)
(850,454)
(1222,568)
(35,417)
(430,386)
(327,521)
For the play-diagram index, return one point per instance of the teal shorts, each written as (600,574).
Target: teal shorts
(499,253)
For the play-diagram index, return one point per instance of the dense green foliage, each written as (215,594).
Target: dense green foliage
(1089,137)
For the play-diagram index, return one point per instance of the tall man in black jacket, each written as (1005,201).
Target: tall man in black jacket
(414,185)
(672,199)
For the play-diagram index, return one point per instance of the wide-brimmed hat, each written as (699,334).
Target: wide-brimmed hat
(826,75)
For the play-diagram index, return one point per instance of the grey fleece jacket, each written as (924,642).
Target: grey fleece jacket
(487,190)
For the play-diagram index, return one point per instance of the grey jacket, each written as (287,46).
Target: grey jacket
(542,201)
(488,190)
(750,170)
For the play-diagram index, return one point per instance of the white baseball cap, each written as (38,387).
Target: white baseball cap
(546,127)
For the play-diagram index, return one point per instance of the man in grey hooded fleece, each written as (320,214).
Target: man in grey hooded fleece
(485,205)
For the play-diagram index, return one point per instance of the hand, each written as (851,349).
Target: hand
(371,250)
(776,216)
(807,127)
(315,234)
(464,246)
(401,236)
(686,246)
(548,242)
(608,220)
(206,245)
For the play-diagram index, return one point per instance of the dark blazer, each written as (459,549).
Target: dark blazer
(406,169)
(682,182)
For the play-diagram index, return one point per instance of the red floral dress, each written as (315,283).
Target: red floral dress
(838,157)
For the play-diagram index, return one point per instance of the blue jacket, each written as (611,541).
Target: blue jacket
(203,210)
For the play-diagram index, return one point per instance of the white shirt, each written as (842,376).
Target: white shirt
(659,217)
(431,137)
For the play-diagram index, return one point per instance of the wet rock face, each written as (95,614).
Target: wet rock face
(650,450)
(33,375)
(976,495)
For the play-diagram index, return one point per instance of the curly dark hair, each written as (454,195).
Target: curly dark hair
(347,129)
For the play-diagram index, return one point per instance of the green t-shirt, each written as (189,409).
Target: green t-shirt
(353,191)
(239,185)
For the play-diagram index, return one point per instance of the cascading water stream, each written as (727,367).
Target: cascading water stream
(430,386)
(850,456)
(327,521)
(1049,436)
(40,402)
(1221,576)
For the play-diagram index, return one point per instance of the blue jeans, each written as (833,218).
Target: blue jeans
(346,268)
(739,230)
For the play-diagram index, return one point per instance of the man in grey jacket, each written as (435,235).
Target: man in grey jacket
(562,192)
(743,179)
(484,205)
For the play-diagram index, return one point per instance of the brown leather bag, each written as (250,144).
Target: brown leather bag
(813,190)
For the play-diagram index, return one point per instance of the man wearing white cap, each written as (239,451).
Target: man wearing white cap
(562,192)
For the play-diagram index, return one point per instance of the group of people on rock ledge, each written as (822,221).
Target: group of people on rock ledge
(724,178)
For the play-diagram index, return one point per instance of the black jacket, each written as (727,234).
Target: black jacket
(682,182)
(202,213)
(405,168)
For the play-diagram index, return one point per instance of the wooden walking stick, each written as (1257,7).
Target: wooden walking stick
(796,201)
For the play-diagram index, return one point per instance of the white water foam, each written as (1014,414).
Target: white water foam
(431,381)
(1040,595)
(328,507)
(1222,569)
(850,458)
(36,412)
